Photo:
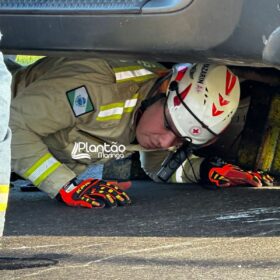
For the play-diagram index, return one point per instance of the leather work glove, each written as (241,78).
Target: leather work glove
(222,174)
(93,193)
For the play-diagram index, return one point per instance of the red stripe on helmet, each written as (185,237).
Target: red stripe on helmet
(183,94)
(181,74)
(230,82)
(215,111)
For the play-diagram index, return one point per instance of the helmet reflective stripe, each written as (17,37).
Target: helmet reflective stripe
(206,98)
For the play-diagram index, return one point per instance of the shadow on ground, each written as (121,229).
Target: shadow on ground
(157,210)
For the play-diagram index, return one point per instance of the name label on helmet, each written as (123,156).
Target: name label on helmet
(203,73)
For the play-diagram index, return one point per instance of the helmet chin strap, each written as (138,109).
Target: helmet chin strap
(154,94)
(148,102)
(174,87)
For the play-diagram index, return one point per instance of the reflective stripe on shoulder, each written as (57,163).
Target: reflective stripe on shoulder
(4,194)
(114,111)
(39,171)
(134,73)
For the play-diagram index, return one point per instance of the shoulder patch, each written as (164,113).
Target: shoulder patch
(79,101)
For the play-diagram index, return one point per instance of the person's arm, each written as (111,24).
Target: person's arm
(207,171)
(39,111)
(42,109)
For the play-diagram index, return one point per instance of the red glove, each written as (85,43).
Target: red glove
(222,174)
(264,177)
(93,193)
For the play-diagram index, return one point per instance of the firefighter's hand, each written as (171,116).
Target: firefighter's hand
(264,177)
(93,193)
(223,174)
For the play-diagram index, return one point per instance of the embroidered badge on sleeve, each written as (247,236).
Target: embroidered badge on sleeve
(79,101)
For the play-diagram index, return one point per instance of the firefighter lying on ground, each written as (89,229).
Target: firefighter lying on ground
(136,105)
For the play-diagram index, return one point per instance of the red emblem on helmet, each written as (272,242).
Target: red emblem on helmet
(215,111)
(223,102)
(195,130)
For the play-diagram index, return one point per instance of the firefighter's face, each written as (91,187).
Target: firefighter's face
(151,131)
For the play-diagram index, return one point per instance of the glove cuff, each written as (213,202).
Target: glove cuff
(70,185)
(207,165)
(66,188)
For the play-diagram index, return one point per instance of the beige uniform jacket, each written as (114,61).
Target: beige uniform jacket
(61,104)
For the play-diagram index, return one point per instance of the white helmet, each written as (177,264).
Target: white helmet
(202,99)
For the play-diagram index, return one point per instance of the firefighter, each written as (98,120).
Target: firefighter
(66,109)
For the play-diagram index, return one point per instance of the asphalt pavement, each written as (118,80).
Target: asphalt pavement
(169,232)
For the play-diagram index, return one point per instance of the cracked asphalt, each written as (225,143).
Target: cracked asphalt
(170,232)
